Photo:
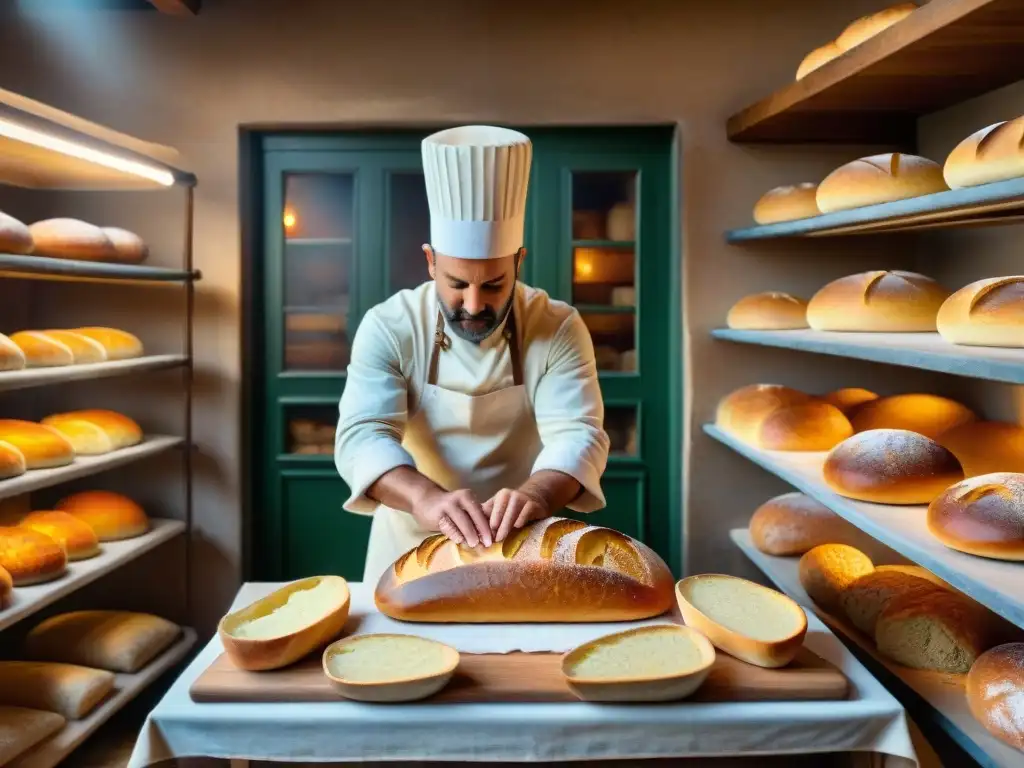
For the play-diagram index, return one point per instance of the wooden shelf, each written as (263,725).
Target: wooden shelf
(936,695)
(85,466)
(39,377)
(927,351)
(28,600)
(945,52)
(994,583)
(42,268)
(126,687)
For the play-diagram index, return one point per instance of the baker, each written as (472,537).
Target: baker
(471,404)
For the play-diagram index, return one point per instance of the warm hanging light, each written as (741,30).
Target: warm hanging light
(289,220)
(70,148)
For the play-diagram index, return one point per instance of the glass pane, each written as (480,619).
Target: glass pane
(614,337)
(621,425)
(409,223)
(318,232)
(309,429)
(604,205)
(604,276)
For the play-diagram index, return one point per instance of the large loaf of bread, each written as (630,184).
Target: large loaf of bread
(994,153)
(555,570)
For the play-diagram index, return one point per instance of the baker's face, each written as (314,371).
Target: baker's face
(475,294)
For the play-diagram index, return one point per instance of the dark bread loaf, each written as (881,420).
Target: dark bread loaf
(556,570)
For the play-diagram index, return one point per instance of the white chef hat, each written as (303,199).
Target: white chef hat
(476,177)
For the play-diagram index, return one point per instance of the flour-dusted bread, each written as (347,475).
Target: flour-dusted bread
(879,179)
(67,689)
(994,153)
(30,557)
(817,58)
(6,588)
(42,447)
(986,313)
(96,431)
(863,599)
(868,26)
(11,356)
(878,301)
(769,311)
(553,570)
(995,692)
(12,461)
(76,536)
(22,728)
(928,415)
(113,516)
(982,516)
(828,569)
(42,350)
(119,344)
(15,237)
(71,239)
(129,248)
(119,641)
(849,399)
(786,203)
(793,523)
(983,447)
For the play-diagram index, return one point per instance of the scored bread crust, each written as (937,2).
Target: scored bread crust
(985,313)
(787,203)
(993,153)
(879,301)
(877,179)
(768,311)
(982,516)
(555,570)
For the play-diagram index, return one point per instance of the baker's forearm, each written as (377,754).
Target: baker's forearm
(555,489)
(402,488)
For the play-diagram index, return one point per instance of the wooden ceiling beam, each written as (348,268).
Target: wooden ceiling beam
(178,7)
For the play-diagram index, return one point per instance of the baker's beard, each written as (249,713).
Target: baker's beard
(492,320)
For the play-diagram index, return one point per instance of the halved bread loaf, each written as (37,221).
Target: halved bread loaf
(21,729)
(119,641)
(828,569)
(389,667)
(67,689)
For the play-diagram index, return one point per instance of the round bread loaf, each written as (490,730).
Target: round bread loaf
(890,466)
(30,557)
(71,239)
(83,349)
(742,411)
(877,301)
(865,598)
(995,153)
(41,350)
(119,345)
(41,446)
(849,399)
(12,461)
(928,415)
(812,426)
(828,569)
(995,692)
(794,523)
(15,237)
(770,311)
(879,179)
(11,356)
(983,447)
(817,58)
(75,535)
(129,248)
(986,313)
(982,516)
(111,515)
(6,588)
(870,25)
(96,431)
(787,203)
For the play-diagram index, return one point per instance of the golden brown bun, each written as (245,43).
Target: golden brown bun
(76,536)
(30,557)
(67,689)
(810,426)
(96,431)
(129,248)
(742,411)
(787,203)
(891,466)
(120,345)
(6,587)
(41,350)
(870,25)
(983,447)
(849,399)
(112,516)
(995,690)
(817,58)
(879,179)
(794,523)
(928,415)
(71,239)
(15,237)
(828,569)
(553,570)
(83,349)
(982,516)
(771,311)
(11,356)
(41,446)
(995,153)
(877,301)
(22,728)
(986,313)
(12,461)
(866,597)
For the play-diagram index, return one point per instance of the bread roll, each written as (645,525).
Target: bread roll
(787,203)
(849,399)
(879,179)
(793,523)
(41,446)
(30,557)
(813,426)
(111,515)
(554,570)
(96,431)
(15,237)
(877,301)
(76,536)
(828,569)
(983,447)
(129,248)
(995,153)
(986,313)
(41,350)
(891,466)
(982,516)
(742,411)
(12,461)
(119,641)
(870,25)
(934,629)
(67,689)
(772,311)
(119,345)
(11,356)
(83,349)
(817,58)
(21,729)
(864,599)
(6,588)
(928,415)
(71,239)
(995,692)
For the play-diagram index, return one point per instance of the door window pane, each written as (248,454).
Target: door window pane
(604,205)
(309,429)
(409,229)
(620,423)
(614,337)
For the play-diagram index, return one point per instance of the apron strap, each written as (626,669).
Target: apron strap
(442,342)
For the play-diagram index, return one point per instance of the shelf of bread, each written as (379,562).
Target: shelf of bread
(941,691)
(38,377)
(871,82)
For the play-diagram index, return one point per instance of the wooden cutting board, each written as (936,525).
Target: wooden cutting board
(523,677)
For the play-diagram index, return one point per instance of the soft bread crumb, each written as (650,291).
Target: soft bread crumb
(640,655)
(303,607)
(387,659)
(755,613)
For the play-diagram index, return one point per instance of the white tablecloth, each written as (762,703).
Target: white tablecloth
(871,720)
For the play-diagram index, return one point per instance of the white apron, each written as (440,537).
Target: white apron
(480,442)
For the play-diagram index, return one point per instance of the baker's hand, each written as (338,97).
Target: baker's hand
(511,508)
(456,514)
